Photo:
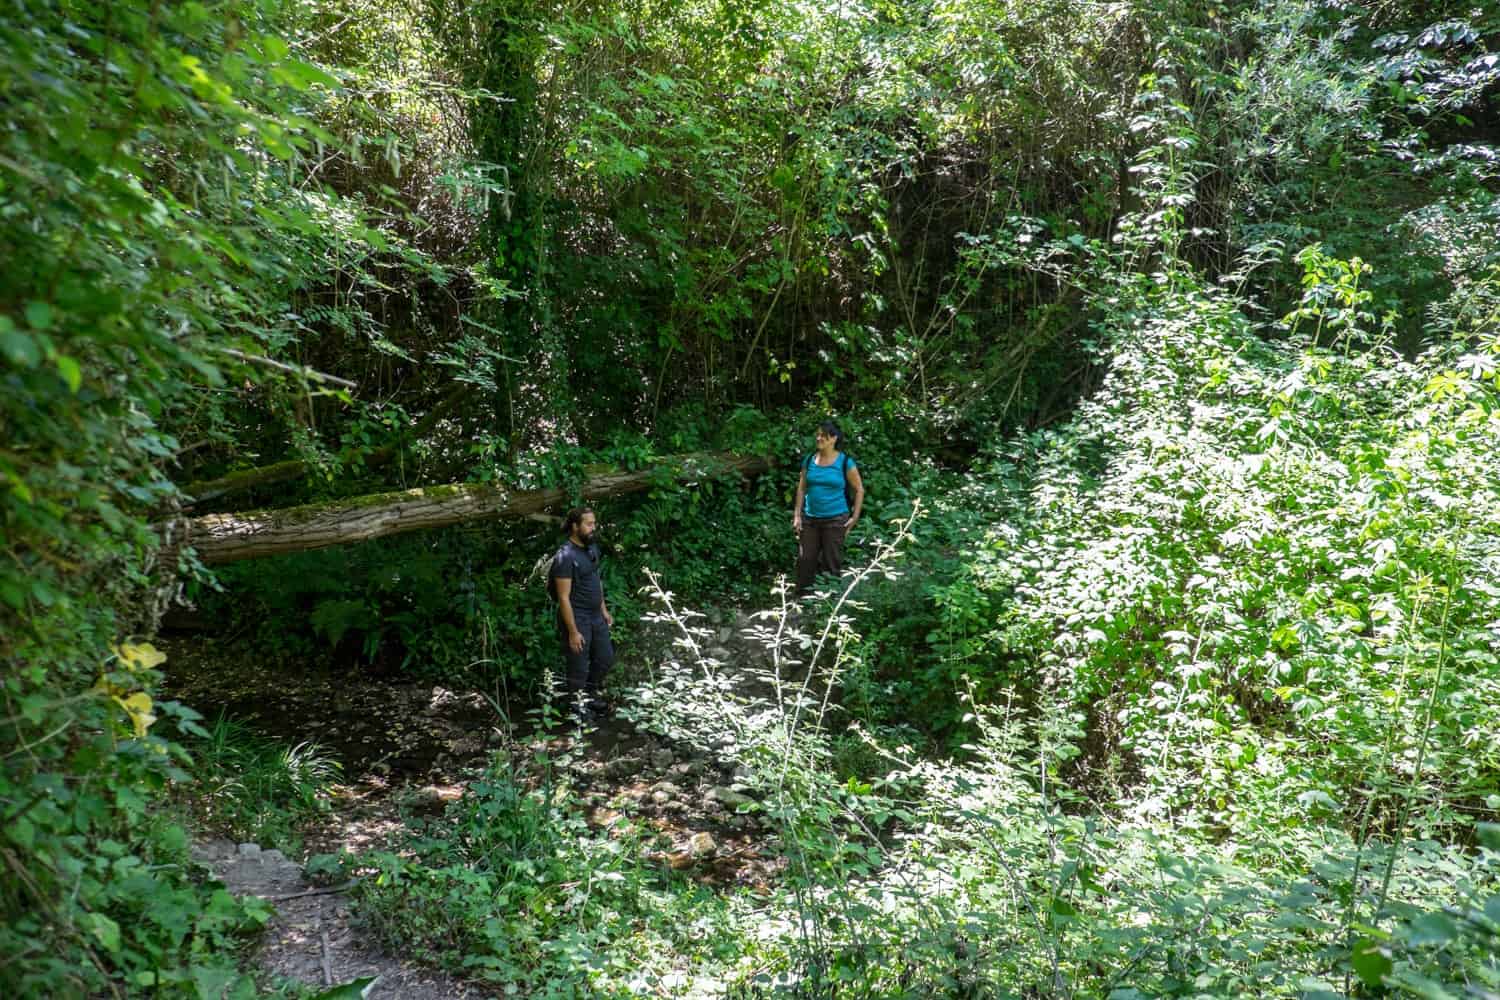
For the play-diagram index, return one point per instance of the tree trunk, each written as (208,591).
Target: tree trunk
(244,479)
(281,472)
(222,538)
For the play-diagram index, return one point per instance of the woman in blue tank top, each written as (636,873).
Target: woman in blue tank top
(829,498)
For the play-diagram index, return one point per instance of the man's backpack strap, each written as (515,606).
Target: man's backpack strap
(546,565)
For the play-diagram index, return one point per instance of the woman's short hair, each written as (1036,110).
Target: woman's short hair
(575,518)
(831,429)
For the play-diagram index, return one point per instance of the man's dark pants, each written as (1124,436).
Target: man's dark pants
(586,668)
(821,549)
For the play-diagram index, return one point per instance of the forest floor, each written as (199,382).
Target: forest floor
(407,750)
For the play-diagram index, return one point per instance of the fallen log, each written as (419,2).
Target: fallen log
(222,538)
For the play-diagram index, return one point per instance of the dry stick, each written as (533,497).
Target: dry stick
(786,262)
(313,892)
(777,647)
(299,370)
(1019,884)
(17,956)
(661,380)
(39,796)
(934,910)
(28,747)
(323,941)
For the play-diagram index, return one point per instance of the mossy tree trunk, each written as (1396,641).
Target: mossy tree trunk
(241,480)
(222,538)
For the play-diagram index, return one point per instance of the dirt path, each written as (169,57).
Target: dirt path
(311,939)
(620,772)
(409,750)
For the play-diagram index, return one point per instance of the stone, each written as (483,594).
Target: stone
(729,798)
(742,773)
(725,634)
(272,857)
(249,850)
(666,786)
(660,797)
(662,759)
(428,798)
(702,844)
(718,653)
(625,767)
(210,851)
(467,746)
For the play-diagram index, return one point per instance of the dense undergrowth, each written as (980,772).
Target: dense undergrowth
(1180,795)
(1178,324)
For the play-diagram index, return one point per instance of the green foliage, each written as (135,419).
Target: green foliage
(1006,872)
(1198,627)
(514,889)
(462,603)
(97,893)
(1355,128)
(156,219)
(252,789)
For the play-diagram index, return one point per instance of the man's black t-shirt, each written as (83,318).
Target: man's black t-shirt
(582,567)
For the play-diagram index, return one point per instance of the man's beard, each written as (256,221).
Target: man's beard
(588,539)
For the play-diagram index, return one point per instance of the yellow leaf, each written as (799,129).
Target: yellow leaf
(138,707)
(140,655)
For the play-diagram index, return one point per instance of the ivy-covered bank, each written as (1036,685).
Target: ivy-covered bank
(1165,337)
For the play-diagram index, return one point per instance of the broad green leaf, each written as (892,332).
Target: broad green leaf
(356,989)
(39,315)
(19,347)
(1371,962)
(68,368)
(104,930)
(1432,929)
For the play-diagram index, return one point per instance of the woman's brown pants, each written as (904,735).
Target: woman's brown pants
(821,549)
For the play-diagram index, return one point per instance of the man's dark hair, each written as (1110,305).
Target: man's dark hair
(832,430)
(574,518)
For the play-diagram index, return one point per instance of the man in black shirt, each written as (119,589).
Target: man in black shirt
(583,619)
